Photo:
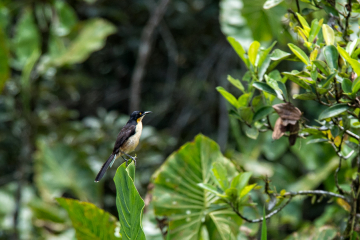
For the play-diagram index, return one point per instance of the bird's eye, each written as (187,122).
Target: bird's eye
(140,114)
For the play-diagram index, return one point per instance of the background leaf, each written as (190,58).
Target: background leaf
(334,111)
(299,53)
(228,96)
(89,221)
(129,204)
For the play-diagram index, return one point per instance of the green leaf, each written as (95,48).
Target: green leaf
(236,83)
(211,189)
(240,181)
(89,221)
(315,29)
(129,204)
(252,132)
(68,169)
(228,96)
(4,60)
(177,195)
(283,89)
(246,114)
(91,38)
(321,65)
(264,55)
(355,85)
(26,39)
(264,87)
(253,51)
(303,22)
(331,56)
(305,96)
(351,46)
(239,50)
(271,3)
(353,62)
(277,55)
(262,112)
(66,18)
(328,34)
(220,174)
(263,227)
(246,190)
(346,85)
(334,111)
(297,80)
(299,53)
(243,100)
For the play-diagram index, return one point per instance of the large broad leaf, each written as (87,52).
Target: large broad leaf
(91,38)
(26,39)
(4,63)
(60,168)
(331,56)
(334,111)
(188,207)
(89,221)
(129,204)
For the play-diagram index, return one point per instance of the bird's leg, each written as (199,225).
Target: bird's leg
(133,158)
(125,160)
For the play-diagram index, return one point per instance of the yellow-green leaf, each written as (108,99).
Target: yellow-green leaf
(328,34)
(299,53)
(253,50)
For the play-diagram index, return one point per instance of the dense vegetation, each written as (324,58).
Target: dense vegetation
(265,91)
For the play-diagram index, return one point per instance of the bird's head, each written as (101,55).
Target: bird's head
(138,115)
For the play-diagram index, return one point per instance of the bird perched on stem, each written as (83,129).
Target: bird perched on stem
(126,142)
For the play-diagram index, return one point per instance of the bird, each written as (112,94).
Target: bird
(126,141)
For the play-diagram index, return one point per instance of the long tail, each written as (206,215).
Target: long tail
(104,167)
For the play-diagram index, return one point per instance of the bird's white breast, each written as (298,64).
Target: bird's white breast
(133,141)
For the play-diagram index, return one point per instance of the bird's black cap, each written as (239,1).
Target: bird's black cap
(138,114)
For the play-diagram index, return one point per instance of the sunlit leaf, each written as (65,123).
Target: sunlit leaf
(299,53)
(220,174)
(91,38)
(243,100)
(334,111)
(264,87)
(228,96)
(305,96)
(328,34)
(315,29)
(353,62)
(263,55)
(89,221)
(355,85)
(253,51)
(66,17)
(177,195)
(296,79)
(129,204)
(343,204)
(239,50)
(236,83)
(271,3)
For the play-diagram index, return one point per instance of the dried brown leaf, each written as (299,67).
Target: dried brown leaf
(288,112)
(279,129)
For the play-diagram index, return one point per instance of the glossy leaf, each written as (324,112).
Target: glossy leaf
(243,100)
(304,24)
(263,55)
(129,204)
(236,83)
(253,51)
(264,87)
(331,56)
(246,114)
(296,80)
(328,34)
(4,60)
(334,111)
(299,53)
(346,85)
(353,62)
(240,181)
(89,221)
(239,50)
(91,38)
(228,96)
(271,3)
(278,54)
(315,29)
(177,196)
(262,112)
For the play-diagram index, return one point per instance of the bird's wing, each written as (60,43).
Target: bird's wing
(127,131)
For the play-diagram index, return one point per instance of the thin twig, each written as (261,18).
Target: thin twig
(259,219)
(313,192)
(348,8)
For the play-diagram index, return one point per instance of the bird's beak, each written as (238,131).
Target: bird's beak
(147,112)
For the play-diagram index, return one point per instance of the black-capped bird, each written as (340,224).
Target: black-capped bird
(126,142)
